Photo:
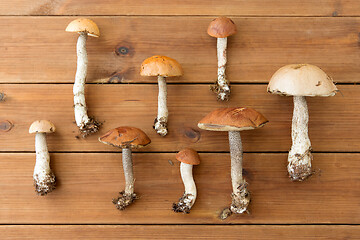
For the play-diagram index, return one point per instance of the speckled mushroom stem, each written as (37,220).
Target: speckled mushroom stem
(240,195)
(299,159)
(222,85)
(160,124)
(127,196)
(85,124)
(188,199)
(44,178)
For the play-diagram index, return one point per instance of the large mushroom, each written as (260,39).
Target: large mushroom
(44,178)
(85,27)
(188,157)
(221,28)
(126,138)
(299,81)
(161,67)
(234,120)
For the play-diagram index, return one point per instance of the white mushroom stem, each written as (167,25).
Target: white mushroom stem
(160,124)
(222,86)
(299,159)
(44,179)
(128,170)
(240,196)
(188,199)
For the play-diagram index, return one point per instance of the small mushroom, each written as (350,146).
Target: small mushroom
(161,67)
(85,27)
(221,28)
(126,138)
(299,81)
(44,178)
(188,157)
(234,120)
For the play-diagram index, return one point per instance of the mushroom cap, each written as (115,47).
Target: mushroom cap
(160,66)
(42,126)
(232,119)
(84,25)
(301,80)
(188,156)
(125,137)
(221,27)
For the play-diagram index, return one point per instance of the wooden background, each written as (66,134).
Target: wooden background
(37,68)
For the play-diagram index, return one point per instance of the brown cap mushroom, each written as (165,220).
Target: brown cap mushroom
(161,67)
(221,27)
(126,138)
(299,81)
(188,157)
(84,25)
(44,178)
(234,120)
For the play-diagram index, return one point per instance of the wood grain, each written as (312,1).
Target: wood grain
(333,121)
(88,182)
(265,232)
(46,54)
(187,7)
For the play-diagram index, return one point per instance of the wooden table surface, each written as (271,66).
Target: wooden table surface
(37,68)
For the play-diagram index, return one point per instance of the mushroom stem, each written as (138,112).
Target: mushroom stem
(188,199)
(160,124)
(240,195)
(222,85)
(300,156)
(44,178)
(86,124)
(127,196)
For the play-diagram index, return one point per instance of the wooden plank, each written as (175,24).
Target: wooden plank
(265,232)
(187,7)
(333,121)
(88,182)
(47,52)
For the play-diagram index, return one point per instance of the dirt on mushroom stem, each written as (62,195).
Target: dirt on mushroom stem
(185,203)
(124,200)
(92,126)
(44,185)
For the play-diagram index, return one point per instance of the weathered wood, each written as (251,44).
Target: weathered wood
(37,49)
(248,232)
(88,182)
(187,7)
(333,121)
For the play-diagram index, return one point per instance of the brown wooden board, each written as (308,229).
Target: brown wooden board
(187,7)
(333,123)
(179,232)
(88,182)
(37,49)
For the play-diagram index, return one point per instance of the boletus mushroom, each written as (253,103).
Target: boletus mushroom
(161,67)
(188,157)
(85,27)
(299,81)
(221,28)
(127,138)
(234,120)
(44,178)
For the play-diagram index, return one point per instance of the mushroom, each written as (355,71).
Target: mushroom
(126,138)
(221,28)
(161,67)
(44,178)
(188,157)
(299,81)
(234,120)
(85,27)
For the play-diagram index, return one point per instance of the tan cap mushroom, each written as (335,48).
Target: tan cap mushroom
(221,27)
(42,126)
(232,119)
(188,156)
(84,25)
(301,80)
(161,67)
